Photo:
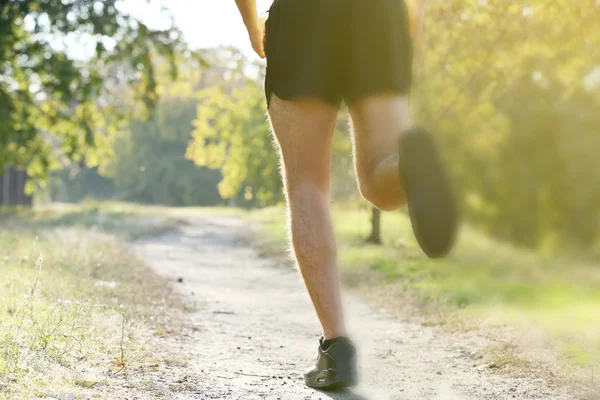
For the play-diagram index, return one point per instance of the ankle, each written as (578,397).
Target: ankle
(334,334)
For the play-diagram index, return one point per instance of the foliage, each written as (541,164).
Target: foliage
(146,162)
(512,92)
(232,135)
(75,184)
(52,104)
(149,164)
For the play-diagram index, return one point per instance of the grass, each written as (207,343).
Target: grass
(71,298)
(554,303)
(67,335)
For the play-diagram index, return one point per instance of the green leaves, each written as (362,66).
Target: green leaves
(50,98)
(148,163)
(231,134)
(504,87)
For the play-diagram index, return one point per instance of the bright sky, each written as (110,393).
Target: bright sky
(209,23)
(204,23)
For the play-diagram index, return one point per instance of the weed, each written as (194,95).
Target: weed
(60,323)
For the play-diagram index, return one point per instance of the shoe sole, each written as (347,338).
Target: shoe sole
(331,381)
(431,205)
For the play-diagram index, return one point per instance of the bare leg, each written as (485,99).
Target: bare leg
(304,131)
(378,123)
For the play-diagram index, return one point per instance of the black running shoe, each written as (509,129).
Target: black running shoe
(336,366)
(431,205)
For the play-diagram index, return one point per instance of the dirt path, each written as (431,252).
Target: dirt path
(254,331)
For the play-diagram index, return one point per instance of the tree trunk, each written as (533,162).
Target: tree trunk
(20,178)
(6,187)
(12,188)
(375,237)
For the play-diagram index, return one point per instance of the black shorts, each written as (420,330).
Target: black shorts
(337,49)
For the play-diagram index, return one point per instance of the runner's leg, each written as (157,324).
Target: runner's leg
(378,123)
(304,131)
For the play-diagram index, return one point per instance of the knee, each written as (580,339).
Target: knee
(379,198)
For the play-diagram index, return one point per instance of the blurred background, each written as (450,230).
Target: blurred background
(162,103)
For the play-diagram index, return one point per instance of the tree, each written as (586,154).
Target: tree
(147,161)
(232,135)
(508,89)
(149,164)
(375,236)
(53,103)
(12,188)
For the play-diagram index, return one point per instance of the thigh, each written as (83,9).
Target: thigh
(304,131)
(378,122)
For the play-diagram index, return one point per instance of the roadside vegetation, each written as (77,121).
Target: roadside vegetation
(75,305)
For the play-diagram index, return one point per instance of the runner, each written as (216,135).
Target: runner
(320,53)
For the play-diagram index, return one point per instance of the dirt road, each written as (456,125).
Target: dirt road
(254,331)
